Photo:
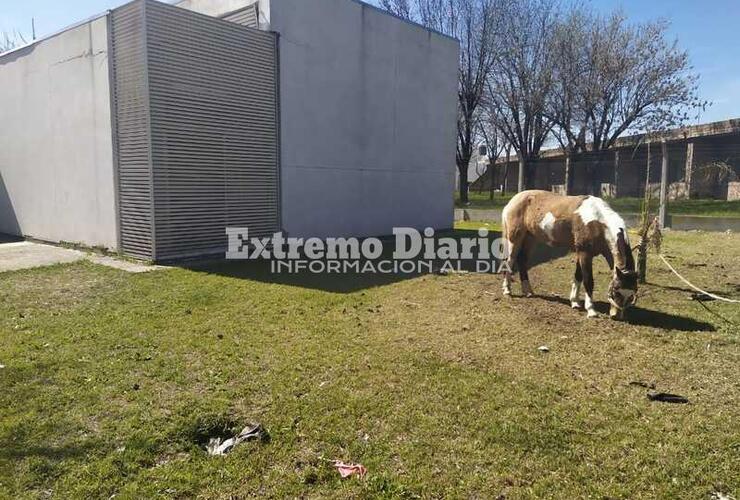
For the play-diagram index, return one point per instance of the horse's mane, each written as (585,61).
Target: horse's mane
(594,208)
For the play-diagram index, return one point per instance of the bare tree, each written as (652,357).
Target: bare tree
(495,145)
(520,81)
(475,23)
(10,40)
(611,77)
(400,8)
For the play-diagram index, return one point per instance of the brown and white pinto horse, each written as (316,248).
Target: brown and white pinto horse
(585,224)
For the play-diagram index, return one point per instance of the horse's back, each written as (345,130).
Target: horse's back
(529,207)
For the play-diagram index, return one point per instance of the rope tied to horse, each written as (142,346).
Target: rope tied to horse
(716,297)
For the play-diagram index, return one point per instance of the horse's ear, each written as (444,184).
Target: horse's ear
(621,243)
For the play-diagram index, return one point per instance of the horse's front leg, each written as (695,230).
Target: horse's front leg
(586,262)
(507,276)
(512,249)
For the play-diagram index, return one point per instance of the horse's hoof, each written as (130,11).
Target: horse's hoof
(616,314)
(575,305)
(592,314)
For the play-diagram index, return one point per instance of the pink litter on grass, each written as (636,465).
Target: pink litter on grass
(346,470)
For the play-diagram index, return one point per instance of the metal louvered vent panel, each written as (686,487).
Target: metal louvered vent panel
(248,16)
(131,118)
(214,130)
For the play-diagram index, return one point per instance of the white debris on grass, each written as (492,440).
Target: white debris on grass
(217,447)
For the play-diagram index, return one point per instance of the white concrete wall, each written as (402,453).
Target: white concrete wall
(56,159)
(368,107)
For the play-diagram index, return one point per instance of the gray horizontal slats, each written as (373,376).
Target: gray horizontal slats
(195,103)
(248,16)
(213,104)
(131,105)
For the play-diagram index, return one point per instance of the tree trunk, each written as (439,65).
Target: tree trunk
(522,173)
(642,261)
(463,183)
(568,174)
(492,171)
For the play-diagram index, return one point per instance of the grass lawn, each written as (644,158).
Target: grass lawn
(112,382)
(475,225)
(709,208)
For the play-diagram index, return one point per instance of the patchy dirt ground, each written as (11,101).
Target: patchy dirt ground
(112,382)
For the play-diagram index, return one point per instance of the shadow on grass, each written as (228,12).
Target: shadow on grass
(656,319)
(644,317)
(329,281)
(348,282)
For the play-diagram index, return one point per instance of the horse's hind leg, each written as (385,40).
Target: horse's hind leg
(586,262)
(523,264)
(575,290)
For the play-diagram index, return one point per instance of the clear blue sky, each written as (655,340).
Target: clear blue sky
(708,29)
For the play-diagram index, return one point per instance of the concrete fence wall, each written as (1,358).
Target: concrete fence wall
(709,162)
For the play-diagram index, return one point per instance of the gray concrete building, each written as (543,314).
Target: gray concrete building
(151,128)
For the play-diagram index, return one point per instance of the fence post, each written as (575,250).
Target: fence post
(520,184)
(663,184)
(647,170)
(689,167)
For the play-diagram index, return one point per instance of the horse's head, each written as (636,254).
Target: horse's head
(623,287)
